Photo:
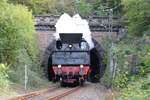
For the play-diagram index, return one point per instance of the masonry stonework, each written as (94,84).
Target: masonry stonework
(44,38)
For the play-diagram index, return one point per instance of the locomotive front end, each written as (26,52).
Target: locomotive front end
(71,59)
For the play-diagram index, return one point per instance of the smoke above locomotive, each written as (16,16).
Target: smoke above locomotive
(67,24)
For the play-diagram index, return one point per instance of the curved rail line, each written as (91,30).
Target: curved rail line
(64,93)
(33,94)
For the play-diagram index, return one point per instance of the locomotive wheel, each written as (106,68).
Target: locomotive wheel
(81,82)
(62,84)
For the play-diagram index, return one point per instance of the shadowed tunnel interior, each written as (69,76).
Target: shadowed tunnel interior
(96,56)
(95,68)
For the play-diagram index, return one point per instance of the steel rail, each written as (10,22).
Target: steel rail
(33,94)
(64,94)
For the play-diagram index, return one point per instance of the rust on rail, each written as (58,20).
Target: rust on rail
(64,94)
(32,94)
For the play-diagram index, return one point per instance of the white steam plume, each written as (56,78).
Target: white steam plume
(75,24)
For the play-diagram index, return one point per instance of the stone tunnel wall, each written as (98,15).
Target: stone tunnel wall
(44,38)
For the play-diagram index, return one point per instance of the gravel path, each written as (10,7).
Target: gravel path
(90,91)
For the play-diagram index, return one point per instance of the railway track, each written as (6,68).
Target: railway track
(57,97)
(32,94)
(47,94)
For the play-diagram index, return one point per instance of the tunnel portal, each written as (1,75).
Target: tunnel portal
(96,59)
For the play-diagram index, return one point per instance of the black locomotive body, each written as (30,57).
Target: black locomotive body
(71,59)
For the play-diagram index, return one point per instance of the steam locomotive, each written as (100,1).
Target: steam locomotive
(71,59)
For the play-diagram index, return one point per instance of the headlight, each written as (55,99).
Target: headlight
(70,45)
(59,66)
(81,66)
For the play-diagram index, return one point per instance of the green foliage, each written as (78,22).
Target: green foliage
(83,7)
(116,6)
(16,32)
(18,46)
(144,58)
(137,12)
(4,82)
(126,68)
(37,6)
(122,57)
(72,7)
(3,3)
(132,58)
(63,6)
(98,8)
(121,79)
(34,71)
(137,90)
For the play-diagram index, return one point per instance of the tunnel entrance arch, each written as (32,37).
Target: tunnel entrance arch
(96,56)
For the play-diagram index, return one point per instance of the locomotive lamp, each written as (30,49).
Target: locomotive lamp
(58,44)
(83,45)
(70,45)
(81,66)
(59,66)
(81,70)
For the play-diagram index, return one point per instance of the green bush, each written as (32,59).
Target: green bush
(37,6)
(131,58)
(4,75)
(72,7)
(34,72)
(16,32)
(99,7)
(18,46)
(83,7)
(137,90)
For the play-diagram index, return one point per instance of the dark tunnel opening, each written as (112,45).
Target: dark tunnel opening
(96,57)
(50,71)
(95,72)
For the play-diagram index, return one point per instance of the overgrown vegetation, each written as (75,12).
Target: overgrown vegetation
(37,6)
(137,12)
(4,81)
(18,46)
(137,89)
(129,59)
(130,64)
(83,7)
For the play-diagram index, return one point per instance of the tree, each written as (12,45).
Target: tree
(116,6)
(137,12)
(84,8)
(37,6)
(16,32)
(98,7)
